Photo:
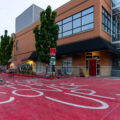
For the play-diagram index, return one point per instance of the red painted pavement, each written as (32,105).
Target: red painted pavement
(71,98)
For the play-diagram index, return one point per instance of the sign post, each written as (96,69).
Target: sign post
(53,59)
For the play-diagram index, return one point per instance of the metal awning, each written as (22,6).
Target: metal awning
(95,44)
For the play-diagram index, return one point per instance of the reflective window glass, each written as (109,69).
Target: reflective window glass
(87,11)
(106,21)
(67,20)
(59,23)
(77,30)
(60,29)
(87,27)
(115,3)
(60,36)
(67,26)
(87,19)
(67,33)
(77,23)
(77,15)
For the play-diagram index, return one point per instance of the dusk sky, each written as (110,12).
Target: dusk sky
(10,9)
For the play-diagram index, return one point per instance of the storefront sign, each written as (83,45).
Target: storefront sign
(52,61)
(26,67)
(52,51)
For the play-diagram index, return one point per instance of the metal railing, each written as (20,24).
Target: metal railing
(74,71)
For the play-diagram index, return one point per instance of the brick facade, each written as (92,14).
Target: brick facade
(27,41)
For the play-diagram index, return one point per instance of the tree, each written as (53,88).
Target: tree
(6,48)
(46,35)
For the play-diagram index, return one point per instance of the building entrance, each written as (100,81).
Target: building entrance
(92,67)
(93,64)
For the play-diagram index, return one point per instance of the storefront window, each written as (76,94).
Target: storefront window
(67,66)
(116,63)
(39,67)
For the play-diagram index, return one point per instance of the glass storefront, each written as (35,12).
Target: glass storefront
(116,35)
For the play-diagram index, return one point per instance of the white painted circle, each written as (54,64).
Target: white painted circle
(10,100)
(15,93)
(91,91)
(103,104)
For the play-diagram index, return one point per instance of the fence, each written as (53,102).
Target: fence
(74,70)
(82,71)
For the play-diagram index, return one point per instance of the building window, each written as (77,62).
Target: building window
(115,33)
(87,19)
(67,20)
(67,66)
(116,63)
(77,23)
(67,26)
(67,33)
(17,45)
(106,21)
(78,15)
(39,67)
(116,24)
(115,3)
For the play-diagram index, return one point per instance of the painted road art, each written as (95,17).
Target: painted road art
(71,98)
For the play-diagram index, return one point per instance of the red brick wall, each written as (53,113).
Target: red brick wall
(26,37)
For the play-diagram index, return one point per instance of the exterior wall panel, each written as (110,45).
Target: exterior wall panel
(28,17)
(24,20)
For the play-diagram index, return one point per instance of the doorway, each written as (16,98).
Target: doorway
(92,67)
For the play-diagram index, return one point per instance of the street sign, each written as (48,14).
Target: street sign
(52,51)
(52,61)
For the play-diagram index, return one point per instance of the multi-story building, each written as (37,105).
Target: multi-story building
(88,41)
(116,35)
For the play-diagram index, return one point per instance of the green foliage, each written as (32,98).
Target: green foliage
(46,35)
(6,47)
